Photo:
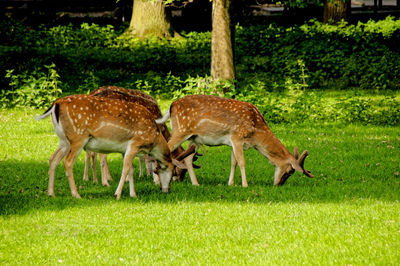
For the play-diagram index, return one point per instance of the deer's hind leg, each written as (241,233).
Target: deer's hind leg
(54,161)
(72,153)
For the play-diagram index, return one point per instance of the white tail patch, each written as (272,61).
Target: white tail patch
(43,116)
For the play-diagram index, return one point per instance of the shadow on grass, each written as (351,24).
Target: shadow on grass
(23,189)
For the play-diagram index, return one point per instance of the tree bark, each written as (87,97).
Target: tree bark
(149,18)
(222,65)
(336,10)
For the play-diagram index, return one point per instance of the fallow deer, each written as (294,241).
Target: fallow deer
(214,121)
(106,126)
(113,92)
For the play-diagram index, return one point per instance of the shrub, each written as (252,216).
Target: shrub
(280,69)
(36,89)
(335,56)
(297,105)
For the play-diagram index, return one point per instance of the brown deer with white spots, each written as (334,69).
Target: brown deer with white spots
(214,121)
(114,92)
(107,126)
(135,96)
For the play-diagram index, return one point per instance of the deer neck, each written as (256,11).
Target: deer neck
(160,151)
(270,146)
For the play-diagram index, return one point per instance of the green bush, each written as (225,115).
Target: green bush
(298,105)
(34,89)
(340,56)
(360,56)
(283,70)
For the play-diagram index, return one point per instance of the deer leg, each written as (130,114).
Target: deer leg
(238,153)
(176,140)
(173,143)
(69,161)
(94,163)
(233,168)
(149,165)
(105,171)
(189,164)
(153,165)
(132,192)
(86,169)
(54,161)
(156,179)
(128,158)
(141,161)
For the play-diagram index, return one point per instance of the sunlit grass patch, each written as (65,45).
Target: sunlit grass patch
(347,214)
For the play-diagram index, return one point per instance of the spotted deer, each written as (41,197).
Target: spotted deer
(128,95)
(107,126)
(214,121)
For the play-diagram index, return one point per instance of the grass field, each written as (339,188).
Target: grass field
(348,214)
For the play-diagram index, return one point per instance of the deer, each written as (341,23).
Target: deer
(146,100)
(113,92)
(108,126)
(214,121)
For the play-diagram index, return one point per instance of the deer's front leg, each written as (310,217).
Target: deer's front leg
(86,169)
(141,161)
(105,170)
(94,163)
(237,146)
(189,164)
(233,168)
(132,192)
(126,170)
(149,164)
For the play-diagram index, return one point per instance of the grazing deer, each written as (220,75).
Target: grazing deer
(113,92)
(215,121)
(119,93)
(107,125)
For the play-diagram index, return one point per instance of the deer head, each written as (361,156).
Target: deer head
(296,164)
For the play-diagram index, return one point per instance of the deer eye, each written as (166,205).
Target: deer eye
(290,170)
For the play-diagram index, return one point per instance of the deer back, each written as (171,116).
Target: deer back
(134,96)
(116,121)
(144,99)
(128,91)
(215,117)
(212,115)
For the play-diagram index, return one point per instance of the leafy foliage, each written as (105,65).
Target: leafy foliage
(31,89)
(335,56)
(283,70)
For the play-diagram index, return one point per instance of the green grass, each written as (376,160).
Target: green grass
(348,214)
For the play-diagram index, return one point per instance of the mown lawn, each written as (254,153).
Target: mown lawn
(348,214)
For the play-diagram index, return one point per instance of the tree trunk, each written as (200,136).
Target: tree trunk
(222,66)
(336,10)
(149,18)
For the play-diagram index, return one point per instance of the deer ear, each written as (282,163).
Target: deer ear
(179,164)
(296,153)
